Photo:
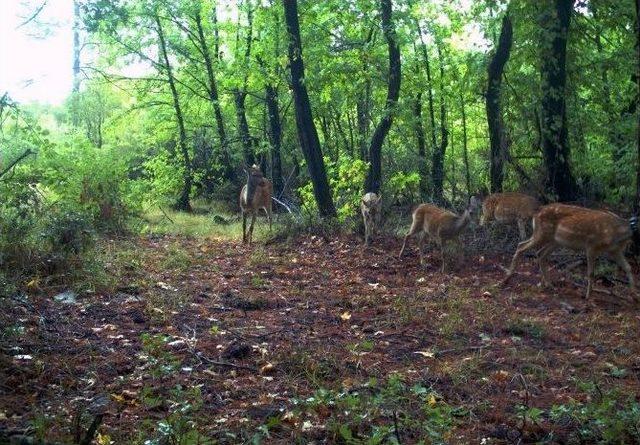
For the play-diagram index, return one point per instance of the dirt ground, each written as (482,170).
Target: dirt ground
(240,340)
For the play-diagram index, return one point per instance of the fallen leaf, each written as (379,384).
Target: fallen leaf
(427,354)
(345,316)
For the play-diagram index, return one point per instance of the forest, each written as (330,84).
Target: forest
(323,221)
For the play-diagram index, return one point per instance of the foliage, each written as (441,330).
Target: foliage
(380,411)
(608,418)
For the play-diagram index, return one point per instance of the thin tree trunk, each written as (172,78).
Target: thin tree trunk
(437,167)
(307,133)
(275,137)
(183,202)
(493,105)
(420,139)
(214,98)
(555,144)
(427,66)
(75,112)
(240,96)
(465,150)
(374,178)
(637,199)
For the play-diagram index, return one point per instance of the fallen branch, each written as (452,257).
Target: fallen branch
(165,215)
(15,162)
(225,364)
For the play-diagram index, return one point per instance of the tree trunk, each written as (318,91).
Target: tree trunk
(240,95)
(75,112)
(637,199)
(465,150)
(420,139)
(437,166)
(555,144)
(494,111)
(427,66)
(307,133)
(214,98)
(275,137)
(374,178)
(183,203)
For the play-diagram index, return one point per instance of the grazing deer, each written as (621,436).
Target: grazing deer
(594,231)
(255,195)
(509,208)
(441,225)
(371,208)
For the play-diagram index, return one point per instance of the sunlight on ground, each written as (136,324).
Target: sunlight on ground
(207,221)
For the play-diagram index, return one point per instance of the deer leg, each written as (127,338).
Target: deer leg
(253,220)
(543,255)
(522,247)
(441,245)
(412,231)
(421,243)
(522,230)
(366,230)
(624,265)
(267,212)
(244,227)
(590,266)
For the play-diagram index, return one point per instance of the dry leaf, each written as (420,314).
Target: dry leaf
(345,316)
(427,354)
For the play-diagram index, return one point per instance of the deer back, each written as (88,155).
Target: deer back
(580,228)
(507,207)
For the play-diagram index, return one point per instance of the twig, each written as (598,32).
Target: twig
(395,427)
(226,364)
(26,153)
(468,348)
(165,214)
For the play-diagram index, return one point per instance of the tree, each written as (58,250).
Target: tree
(374,176)
(183,203)
(555,143)
(307,133)
(494,109)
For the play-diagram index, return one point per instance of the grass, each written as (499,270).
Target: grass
(208,220)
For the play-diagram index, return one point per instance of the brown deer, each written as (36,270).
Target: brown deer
(439,224)
(596,232)
(255,195)
(371,208)
(508,208)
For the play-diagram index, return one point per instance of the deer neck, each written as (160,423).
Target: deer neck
(462,221)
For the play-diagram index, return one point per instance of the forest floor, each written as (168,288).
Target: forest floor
(205,340)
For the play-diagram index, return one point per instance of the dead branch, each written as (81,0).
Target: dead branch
(15,162)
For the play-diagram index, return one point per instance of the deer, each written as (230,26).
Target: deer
(255,195)
(439,224)
(595,232)
(371,208)
(508,208)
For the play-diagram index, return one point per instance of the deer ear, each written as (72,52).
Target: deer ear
(379,198)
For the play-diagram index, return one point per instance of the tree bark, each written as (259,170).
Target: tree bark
(374,178)
(427,66)
(420,139)
(637,198)
(307,133)
(240,95)
(75,91)
(183,203)
(555,144)
(437,166)
(465,150)
(214,98)
(493,105)
(275,137)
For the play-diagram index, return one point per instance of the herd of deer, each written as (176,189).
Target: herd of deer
(595,232)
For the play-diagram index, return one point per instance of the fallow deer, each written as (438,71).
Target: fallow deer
(371,208)
(508,208)
(439,224)
(255,195)
(594,231)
